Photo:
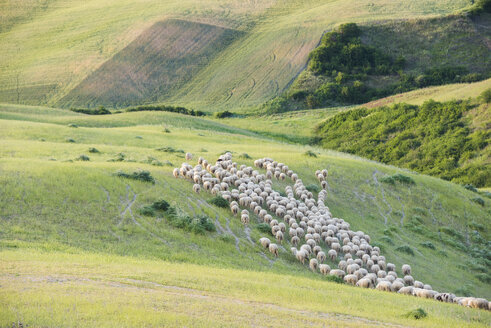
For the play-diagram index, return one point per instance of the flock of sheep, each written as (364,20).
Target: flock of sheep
(309,225)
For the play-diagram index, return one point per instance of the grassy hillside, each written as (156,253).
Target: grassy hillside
(89,208)
(449,140)
(357,63)
(42,289)
(69,40)
(160,60)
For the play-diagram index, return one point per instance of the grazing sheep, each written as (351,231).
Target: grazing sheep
(391,267)
(424,293)
(176,173)
(279,236)
(196,188)
(406,269)
(350,269)
(265,242)
(336,247)
(301,255)
(244,218)
(321,256)
(235,209)
(444,297)
(295,241)
(351,279)
(418,284)
(478,303)
(332,254)
(408,290)
(189,156)
(337,272)
(382,274)
(384,286)
(364,283)
(324,269)
(408,280)
(342,265)
(396,286)
(273,248)
(426,286)
(313,264)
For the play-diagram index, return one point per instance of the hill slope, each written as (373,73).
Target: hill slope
(68,41)
(89,208)
(450,140)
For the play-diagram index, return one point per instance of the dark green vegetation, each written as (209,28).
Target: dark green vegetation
(167,108)
(439,139)
(417,314)
(356,64)
(219,201)
(198,224)
(148,69)
(101,110)
(141,175)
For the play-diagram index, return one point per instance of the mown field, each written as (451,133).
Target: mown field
(54,201)
(68,40)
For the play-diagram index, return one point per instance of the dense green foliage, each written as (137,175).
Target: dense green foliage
(219,201)
(434,138)
(141,175)
(197,224)
(166,108)
(101,110)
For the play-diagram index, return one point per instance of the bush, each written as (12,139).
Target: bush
(198,224)
(313,188)
(470,187)
(417,314)
(93,150)
(70,140)
(263,227)
(120,157)
(245,156)
(224,114)
(161,205)
(335,279)
(101,110)
(71,125)
(485,96)
(405,249)
(170,149)
(165,108)
(140,175)
(83,158)
(428,244)
(310,153)
(478,200)
(398,178)
(386,240)
(219,201)
(147,211)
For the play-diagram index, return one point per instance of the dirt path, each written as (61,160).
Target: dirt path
(389,211)
(127,205)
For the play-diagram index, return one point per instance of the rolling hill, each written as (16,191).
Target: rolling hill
(68,41)
(61,195)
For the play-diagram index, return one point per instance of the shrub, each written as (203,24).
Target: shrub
(417,314)
(83,158)
(101,110)
(386,240)
(470,187)
(335,279)
(153,161)
(70,140)
(313,188)
(310,153)
(398,178)
(245,156)
(224,114)
(93,150)
(263,227)
(478,200)
(219,201)
(71,125)
(405,249)
(147,211)
(170,149)
(166,130)
(165,108)
(120,157)
(485,96)
(140,175)
(428,244)
(198,224)
(161,205)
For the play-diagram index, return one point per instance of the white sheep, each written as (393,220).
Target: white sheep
(384,286)
(189,156)
(406,269)
(279,236)
(351,279)
(408,290)
(364,283)
(265,242)
(301,255)
(176,173)
(321,256)
(332,254)
(313,264)
(196,188)
(273,248)
(324,269)
(337,272)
